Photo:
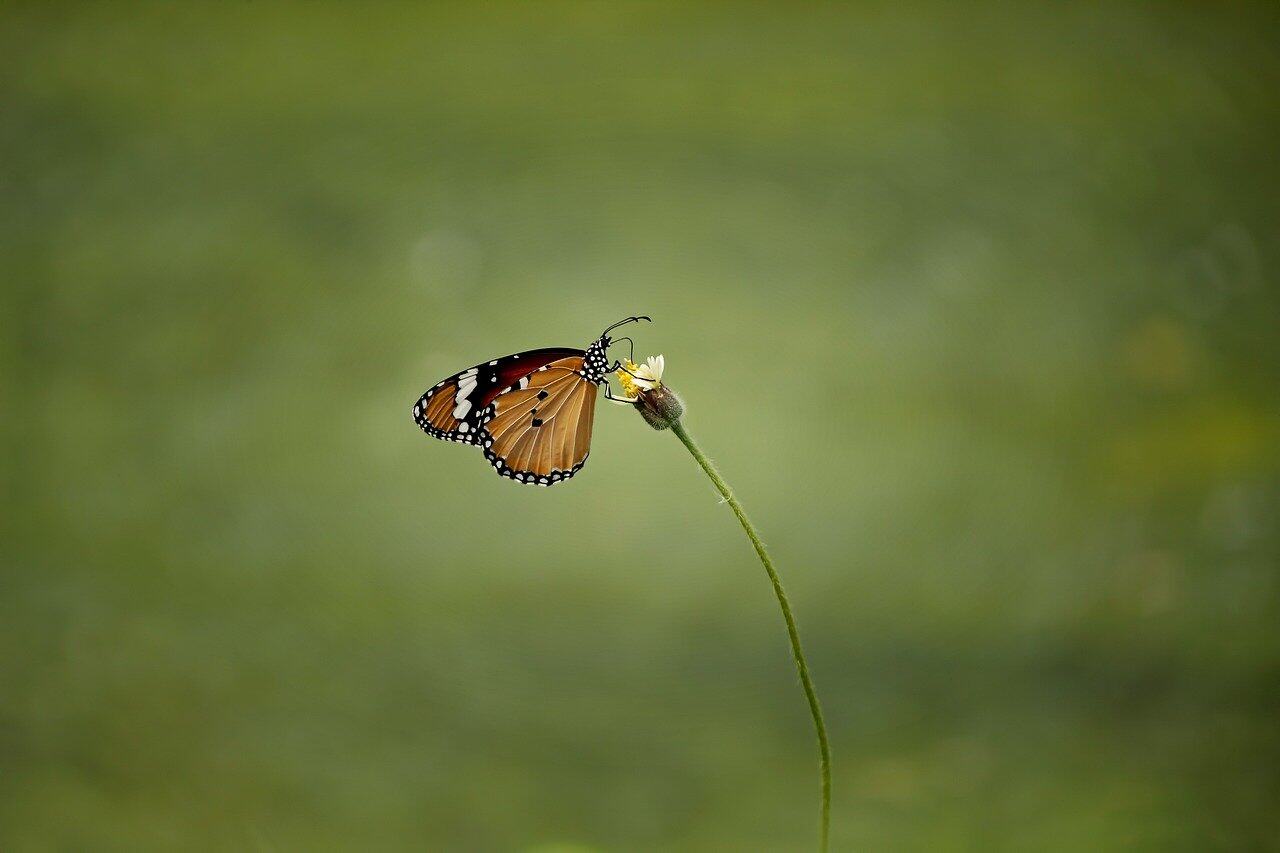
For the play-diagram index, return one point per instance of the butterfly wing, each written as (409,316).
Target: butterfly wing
(455,408)
(540,430)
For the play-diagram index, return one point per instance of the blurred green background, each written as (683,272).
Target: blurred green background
(976,307)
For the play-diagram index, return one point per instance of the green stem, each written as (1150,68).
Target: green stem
(824,749)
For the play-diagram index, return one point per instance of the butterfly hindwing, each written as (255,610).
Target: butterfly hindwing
(539,431)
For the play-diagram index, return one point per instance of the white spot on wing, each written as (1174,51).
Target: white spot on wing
(466,384)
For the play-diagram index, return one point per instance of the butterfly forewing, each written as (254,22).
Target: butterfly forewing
(454,409)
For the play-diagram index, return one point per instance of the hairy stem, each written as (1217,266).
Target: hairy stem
(802,666)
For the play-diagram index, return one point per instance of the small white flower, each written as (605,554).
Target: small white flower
(636,379)
(648,375)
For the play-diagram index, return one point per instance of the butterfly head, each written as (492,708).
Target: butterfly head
(596,361)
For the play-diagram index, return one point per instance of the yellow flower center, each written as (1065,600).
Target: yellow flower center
(629,386)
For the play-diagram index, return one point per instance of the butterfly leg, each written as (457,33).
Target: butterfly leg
(621,401)
(618,366)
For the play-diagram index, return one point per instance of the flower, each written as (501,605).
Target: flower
(642,383)
(638,378)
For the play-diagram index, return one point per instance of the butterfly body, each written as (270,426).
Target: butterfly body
(531,413)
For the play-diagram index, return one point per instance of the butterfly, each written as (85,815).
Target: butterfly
(531,413)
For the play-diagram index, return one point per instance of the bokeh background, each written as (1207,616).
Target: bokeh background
(975,305)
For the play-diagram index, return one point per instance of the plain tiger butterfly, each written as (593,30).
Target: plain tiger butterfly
(531,413)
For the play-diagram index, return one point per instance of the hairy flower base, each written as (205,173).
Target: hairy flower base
(661,407)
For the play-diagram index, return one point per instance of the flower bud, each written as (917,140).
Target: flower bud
(661,407)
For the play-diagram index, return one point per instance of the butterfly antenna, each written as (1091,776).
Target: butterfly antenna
(625,322)
(632,356)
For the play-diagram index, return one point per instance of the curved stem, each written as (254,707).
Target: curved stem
(824,749)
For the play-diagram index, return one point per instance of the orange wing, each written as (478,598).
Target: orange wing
(540,431)
(455,408)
